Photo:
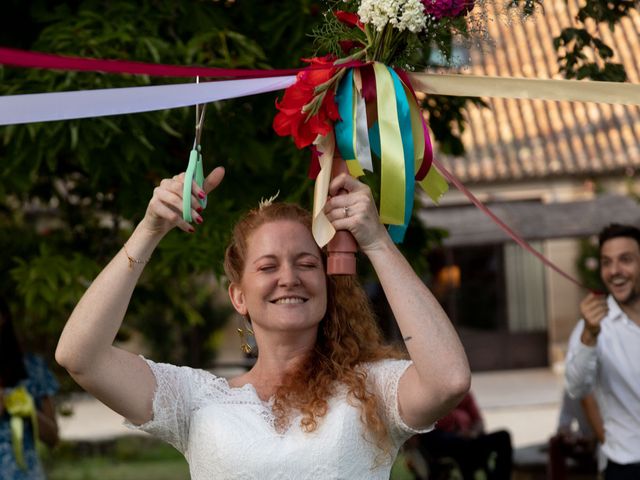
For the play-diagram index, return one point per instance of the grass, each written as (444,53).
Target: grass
(132,458)
(127,458)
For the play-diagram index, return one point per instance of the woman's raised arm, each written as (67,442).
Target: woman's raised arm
(120,379)
(440,375)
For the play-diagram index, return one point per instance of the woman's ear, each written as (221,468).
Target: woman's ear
(237,298)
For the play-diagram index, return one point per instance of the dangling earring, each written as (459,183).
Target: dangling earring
(243,333)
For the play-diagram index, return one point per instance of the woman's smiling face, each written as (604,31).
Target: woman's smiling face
(283,285)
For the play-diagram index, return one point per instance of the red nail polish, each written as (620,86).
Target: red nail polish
(202,195)
(199,220)
(199,209)
(191,230)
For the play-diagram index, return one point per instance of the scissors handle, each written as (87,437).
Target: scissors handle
(194,172)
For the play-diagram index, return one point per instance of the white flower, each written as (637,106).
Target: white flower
(401,14)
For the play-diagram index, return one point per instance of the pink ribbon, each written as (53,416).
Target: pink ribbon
(21,58)
(513,235)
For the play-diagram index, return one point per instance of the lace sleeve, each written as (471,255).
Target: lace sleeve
(172,404)
(384,377)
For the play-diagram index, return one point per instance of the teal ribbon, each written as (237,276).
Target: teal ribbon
(194,173)
(344,127)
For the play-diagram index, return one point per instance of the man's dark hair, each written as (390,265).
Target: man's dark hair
(616,230)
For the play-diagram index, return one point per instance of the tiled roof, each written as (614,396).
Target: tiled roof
(519,140)
(533,220)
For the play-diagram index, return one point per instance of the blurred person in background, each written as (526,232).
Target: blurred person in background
(27,410)
(460,442)
(580,432)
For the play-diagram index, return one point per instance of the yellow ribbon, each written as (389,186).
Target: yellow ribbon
(531,88)
(392,179)
(434,184)
(20,405)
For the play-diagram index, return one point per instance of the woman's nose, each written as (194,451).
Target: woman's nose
(289,276)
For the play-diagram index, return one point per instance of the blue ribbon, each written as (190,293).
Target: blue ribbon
(397,232)
(344,127)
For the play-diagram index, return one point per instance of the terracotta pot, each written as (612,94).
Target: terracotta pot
(343,247)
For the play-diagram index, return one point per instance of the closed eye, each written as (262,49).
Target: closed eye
(309,265)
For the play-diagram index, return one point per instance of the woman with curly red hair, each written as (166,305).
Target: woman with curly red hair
(326,398)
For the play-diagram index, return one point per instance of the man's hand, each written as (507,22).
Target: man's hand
(593,309)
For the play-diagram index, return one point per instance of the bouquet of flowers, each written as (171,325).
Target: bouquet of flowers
(357,100)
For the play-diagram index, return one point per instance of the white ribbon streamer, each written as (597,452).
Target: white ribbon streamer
(321,228)
(531,88)
(363,148)
(45,107)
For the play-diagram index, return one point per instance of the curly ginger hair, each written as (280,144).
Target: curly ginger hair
(348,336)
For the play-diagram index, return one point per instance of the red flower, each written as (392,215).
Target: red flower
(291,120)
(348,45)
(349,19)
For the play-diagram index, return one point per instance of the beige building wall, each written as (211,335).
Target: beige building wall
(563,297)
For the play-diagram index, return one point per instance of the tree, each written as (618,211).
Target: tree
(71,192)
(582,54)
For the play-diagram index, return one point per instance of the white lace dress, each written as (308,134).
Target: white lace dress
(228,433)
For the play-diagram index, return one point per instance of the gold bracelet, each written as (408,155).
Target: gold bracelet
(133,260)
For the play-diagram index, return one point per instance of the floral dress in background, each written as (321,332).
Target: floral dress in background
(40,383)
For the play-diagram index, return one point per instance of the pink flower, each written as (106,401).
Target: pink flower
(447,8)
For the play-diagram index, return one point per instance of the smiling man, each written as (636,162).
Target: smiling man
(606,356)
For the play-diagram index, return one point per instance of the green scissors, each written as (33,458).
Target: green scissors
(194,169)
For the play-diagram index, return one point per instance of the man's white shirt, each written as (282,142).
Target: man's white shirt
(611,369)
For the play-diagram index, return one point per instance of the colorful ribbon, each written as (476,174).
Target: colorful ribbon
(67,105)
(20,406)
(399,138)
(44,107)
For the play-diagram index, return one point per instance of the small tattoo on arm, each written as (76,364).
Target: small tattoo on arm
(406,339)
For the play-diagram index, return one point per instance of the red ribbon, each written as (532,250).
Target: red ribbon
(21,58)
